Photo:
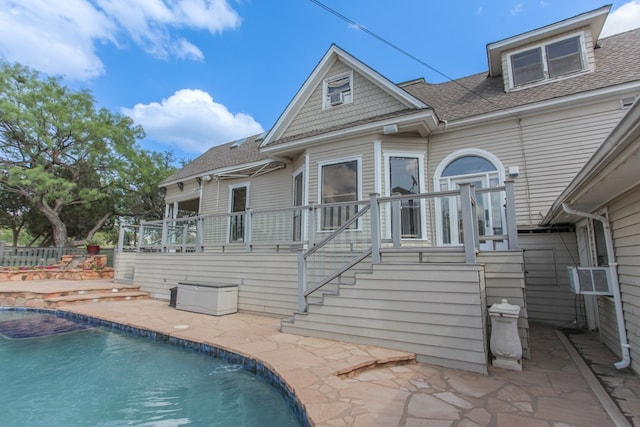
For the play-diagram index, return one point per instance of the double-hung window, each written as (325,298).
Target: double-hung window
(547,61)
(339,192)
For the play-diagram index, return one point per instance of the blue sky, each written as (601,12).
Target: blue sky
(197,73)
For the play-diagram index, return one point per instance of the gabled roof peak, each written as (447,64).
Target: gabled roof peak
(333,54)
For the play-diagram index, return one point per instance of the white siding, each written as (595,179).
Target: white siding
(268,191)
(624,215)
(368,101)
(190,190)
(504,279)
(548,148)
(434,310)
(361,147)
(267,282)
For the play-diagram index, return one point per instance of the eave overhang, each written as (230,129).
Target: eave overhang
(247,170)
(422,122)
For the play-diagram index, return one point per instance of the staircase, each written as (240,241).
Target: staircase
(434,310)
(64,296)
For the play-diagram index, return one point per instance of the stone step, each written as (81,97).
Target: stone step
(94,290)
(59,301)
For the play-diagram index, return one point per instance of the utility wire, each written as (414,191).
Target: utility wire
(399,49)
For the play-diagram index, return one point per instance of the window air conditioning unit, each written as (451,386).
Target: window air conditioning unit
(590,280)
(336,98)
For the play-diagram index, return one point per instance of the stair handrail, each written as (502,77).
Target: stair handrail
(303,292)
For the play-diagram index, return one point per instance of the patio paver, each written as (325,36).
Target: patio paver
(549,392)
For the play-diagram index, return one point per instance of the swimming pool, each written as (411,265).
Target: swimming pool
(100,377)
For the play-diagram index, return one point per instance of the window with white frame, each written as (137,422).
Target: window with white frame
(404,175)
(482,170)
(338,90)
(339,192)
(547,61)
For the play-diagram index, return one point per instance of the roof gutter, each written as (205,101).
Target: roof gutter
(615,285)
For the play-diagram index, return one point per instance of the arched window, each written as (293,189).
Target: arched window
(481,169)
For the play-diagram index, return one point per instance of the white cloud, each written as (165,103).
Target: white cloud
(624,18)
(60,36)
(54,36)
(518,8)
(191,121)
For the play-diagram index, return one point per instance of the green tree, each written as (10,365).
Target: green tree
(59,152)
(14,213)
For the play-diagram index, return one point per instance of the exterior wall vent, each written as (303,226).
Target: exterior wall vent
(627,102)
(590,280)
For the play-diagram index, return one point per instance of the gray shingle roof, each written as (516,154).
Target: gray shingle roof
(617,62)
(221,156)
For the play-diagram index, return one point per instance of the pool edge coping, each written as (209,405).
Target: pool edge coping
(251,364)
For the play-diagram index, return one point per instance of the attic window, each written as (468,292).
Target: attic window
(547,61)
(338,90)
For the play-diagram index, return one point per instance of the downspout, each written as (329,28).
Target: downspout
(615,285)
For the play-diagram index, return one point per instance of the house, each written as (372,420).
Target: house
(603,201)
(395,214)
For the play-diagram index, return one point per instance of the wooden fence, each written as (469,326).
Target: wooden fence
(25,256)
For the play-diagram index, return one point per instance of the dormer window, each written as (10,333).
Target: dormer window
(547,61)
(338,90)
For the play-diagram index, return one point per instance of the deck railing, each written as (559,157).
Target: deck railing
(476,219)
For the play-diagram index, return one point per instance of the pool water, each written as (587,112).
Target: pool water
(97,377)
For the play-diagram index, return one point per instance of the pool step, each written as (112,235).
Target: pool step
(93,297)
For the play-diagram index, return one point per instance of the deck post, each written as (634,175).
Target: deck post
(165,234)
(312,225)
(200,234)
(375,228)
(468,229)
(141,230)
(510,214)
(474,215)
(302,285)
(396,222)
(2,245)
(248,214)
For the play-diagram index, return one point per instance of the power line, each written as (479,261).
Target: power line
(399,49)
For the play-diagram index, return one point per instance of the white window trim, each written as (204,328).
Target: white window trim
(305,199)
(325,103)
(300,170)
(437,176)
(545,66)
(231,187)
(421,185)
(323,163)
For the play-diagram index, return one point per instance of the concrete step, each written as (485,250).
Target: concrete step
(94,297)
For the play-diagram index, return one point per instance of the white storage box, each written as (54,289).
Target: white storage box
(208,299)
